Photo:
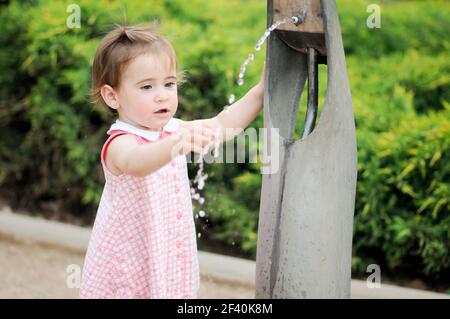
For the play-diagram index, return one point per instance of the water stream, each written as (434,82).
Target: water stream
(201,177)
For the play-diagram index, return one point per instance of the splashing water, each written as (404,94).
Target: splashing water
(201,177)
(273,27)
(251,56)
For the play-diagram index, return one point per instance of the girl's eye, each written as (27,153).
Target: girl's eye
(146,87)
(171,84)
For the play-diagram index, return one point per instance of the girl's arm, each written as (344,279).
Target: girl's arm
(130,157)
(239,115)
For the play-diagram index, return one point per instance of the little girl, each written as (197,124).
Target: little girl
(143,242)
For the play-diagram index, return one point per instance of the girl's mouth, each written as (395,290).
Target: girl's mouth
(162,111)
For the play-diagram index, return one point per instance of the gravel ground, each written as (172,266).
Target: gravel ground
(31,270)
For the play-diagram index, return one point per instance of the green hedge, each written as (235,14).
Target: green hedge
(400,85)
(403,192)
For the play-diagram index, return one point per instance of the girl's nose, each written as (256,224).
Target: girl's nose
(160,95)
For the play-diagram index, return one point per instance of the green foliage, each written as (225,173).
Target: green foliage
(404,194)
(400,83)
(420,25)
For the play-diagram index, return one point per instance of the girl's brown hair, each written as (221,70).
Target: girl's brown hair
(118,48)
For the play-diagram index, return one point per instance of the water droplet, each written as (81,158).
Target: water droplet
(201,213)
(199,235)
(231,99)
(240,82)
(201,200)
(196,196)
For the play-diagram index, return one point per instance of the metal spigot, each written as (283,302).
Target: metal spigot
(298,19)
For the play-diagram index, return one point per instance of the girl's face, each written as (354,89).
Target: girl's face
(147,97)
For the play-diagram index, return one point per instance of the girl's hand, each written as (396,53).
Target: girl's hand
(193,136)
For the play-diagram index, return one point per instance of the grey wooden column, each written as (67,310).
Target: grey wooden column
(307,204)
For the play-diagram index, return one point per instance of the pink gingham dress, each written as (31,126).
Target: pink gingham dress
(143,243)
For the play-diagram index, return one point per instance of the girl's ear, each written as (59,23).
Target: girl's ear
(109,96)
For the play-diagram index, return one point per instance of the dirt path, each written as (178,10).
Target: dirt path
(30,270)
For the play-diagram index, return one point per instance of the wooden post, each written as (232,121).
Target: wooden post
(307,203)
(309,33)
